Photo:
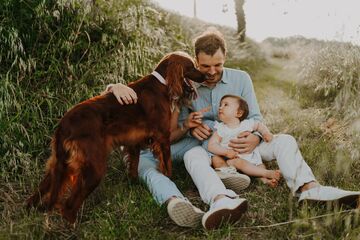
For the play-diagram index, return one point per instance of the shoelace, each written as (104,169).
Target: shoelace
(230,170)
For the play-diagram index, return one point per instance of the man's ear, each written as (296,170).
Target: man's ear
(196,62)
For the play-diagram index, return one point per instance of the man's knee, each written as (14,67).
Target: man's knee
(196,156)
(286,140)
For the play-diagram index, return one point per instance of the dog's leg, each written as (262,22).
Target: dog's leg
(162,153)
(88,178)
(44,187)
(57,176)
(133,160)
(165,149)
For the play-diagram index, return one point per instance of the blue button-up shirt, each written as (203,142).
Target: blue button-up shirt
(234,82)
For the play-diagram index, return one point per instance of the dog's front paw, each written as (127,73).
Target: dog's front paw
(68,215)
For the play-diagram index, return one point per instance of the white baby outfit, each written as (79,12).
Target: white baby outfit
(227,134)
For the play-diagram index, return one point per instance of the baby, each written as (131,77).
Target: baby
(232,112)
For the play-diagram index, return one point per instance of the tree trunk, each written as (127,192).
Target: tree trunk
(195,9)
(240,16)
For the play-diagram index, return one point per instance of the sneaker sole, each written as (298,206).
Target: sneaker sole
(218,218)
(185,215)
(236,184)
(352,201)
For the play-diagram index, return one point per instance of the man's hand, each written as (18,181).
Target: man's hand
(245,142)
(195,118)
(201,132)
(123,93)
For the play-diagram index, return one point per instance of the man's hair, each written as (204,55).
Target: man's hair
(209,42)
(243,106)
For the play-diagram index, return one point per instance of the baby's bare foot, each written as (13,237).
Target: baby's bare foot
(273,174)
(271,182)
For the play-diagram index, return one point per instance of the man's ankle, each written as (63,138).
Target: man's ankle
(308,186)
(219,196)
(169,199)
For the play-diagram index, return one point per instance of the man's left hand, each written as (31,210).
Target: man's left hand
(245,142)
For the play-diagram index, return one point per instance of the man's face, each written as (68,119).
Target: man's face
(212,66)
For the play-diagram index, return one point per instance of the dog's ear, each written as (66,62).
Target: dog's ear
(174,79)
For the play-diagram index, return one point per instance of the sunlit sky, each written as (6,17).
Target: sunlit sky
(322,19)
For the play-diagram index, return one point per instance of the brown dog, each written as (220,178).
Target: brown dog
(89,131)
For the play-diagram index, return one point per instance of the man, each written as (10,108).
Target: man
(210,53)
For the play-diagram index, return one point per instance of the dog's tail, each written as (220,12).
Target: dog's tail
(57,167)
(47,193)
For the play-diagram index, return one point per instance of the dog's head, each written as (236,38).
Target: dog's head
(179,70)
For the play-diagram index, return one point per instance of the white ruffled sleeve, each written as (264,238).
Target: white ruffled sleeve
(219,126)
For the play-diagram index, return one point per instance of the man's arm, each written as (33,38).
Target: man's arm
(263,130)
(248,93)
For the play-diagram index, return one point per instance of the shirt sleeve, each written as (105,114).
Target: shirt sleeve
(249,95)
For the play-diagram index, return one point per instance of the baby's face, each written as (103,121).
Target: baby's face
(229,109)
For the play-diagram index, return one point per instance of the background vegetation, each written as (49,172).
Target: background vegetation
(57,53)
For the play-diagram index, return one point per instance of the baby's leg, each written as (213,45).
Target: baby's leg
(252,170)
(218,162)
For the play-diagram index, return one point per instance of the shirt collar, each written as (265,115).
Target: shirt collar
(224,79)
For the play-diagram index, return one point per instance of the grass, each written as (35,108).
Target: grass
(74,52)
(125,210)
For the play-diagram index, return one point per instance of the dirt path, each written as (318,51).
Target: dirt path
(276,92)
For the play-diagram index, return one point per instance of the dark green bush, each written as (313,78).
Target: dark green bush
(55,54)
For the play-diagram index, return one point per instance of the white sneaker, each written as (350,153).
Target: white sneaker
(183,213)
(224,210)
(232,179)
(325,193)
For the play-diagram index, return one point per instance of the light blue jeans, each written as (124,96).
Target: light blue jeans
(160,186)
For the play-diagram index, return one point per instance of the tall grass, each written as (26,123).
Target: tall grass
(332,74)
(57,53)
(326,76)
(328,72)
(53,55)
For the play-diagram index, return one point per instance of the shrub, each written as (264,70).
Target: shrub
(55,54)
(332,76)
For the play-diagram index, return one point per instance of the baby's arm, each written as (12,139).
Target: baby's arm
(215,147)
(263,130)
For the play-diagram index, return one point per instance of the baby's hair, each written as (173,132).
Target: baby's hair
(243,106)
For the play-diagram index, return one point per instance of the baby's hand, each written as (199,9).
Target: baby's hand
(267,137)
(231,154)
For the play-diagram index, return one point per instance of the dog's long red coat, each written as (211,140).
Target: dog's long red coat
(89,131)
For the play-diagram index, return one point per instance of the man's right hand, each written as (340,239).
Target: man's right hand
(123,93)
(201,132)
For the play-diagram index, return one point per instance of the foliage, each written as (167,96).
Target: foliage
(56,53)
(332,73)
(328,72)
